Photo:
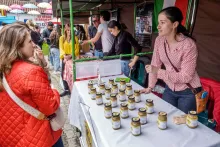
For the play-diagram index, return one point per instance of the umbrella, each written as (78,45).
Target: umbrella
(49,8)
(33,12)
(4,7)
(17,11)
(48,12)
(15,6)
(29,6)
(44,5)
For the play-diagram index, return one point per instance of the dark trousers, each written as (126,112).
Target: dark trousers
(183,100)
(66,87)
(59,143)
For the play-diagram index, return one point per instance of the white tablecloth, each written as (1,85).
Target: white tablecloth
(173,136)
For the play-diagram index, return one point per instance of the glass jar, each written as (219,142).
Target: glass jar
(142,113)
(110,82)
(93,93)
(108,110)
(137,96)
(129,89)
(136,126)
(99,100)
(90,85)
(116,121)
(102,88)
(131,103)
(149,106)
(162,120)
(113,100)
(124,110)
(122,84)
(192,119)
(107,93)
(121,95)
(114,88)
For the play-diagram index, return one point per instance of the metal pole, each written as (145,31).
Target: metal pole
(72,39)
(61,14)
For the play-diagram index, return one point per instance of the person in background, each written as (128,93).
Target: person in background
(106,37)
(40,42)
(26,79)
(92,32)
(182,52)
(2,25)
(54,49)
(66,54)
(77,31)
(122,45)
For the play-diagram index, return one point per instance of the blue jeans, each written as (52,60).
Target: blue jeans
(125,68)
(59,143)
(184,100)
(98,54)
(55,54)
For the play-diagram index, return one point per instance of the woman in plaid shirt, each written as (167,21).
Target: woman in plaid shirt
(182,52)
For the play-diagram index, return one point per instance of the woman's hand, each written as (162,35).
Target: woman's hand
(146,90)
(151,69)
(131,64)
(39,53)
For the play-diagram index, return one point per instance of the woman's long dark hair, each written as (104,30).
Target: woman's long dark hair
(121,26)
(174,14)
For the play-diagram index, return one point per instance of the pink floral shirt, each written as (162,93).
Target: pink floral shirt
(183,57)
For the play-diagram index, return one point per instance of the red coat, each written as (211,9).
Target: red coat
(213,88)
(18,128)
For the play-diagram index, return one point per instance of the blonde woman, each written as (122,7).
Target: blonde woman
(30,83)
(66,53)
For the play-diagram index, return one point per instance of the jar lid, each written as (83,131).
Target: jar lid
(128,85)
(192,112)
(115,114)
(124,104)
(93,88)
(162,113)
(121,90)
(142,109)
(102,84)
(98,93)
(107,104)
(135,119)
(149,100)
(131,97)
(122,80)
(107,88)
(113,95)
(114,84)
(111,79)
(90,83)
(136,91)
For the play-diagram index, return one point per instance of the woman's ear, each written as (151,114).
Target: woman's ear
(175,24)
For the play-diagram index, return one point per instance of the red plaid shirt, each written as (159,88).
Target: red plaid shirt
(183,57)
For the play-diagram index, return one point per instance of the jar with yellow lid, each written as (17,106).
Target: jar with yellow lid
(149,106)
(99,100)
(115,88)
(107,93)
(131,103)
(135,126)
(116,121)
(162,120)
(102,88)
(110,82)
(124,110)
(137,96)
(93,93)
(192,119)
(142,113)
(122,95)
(129,89)
(113,100)
(122,84)
(108,110)
(90,85)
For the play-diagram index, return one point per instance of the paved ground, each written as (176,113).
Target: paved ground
(69,135)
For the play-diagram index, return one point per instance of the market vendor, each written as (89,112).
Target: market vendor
(122,45)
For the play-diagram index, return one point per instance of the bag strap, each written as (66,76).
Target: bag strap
(29,109)
(189,85)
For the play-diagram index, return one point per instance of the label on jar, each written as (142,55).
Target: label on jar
(122,97)
(89,90)
(108,113)
(131,106)
(99,101)
(122,87)
(115,90)
(150,109)
(92,95)
(192,123)
(124,113)
(162,124)
(143,119)
(129,92)
(136,130)
(114,103)
(116,124)
(102,91)
(137,99)
(107,95)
